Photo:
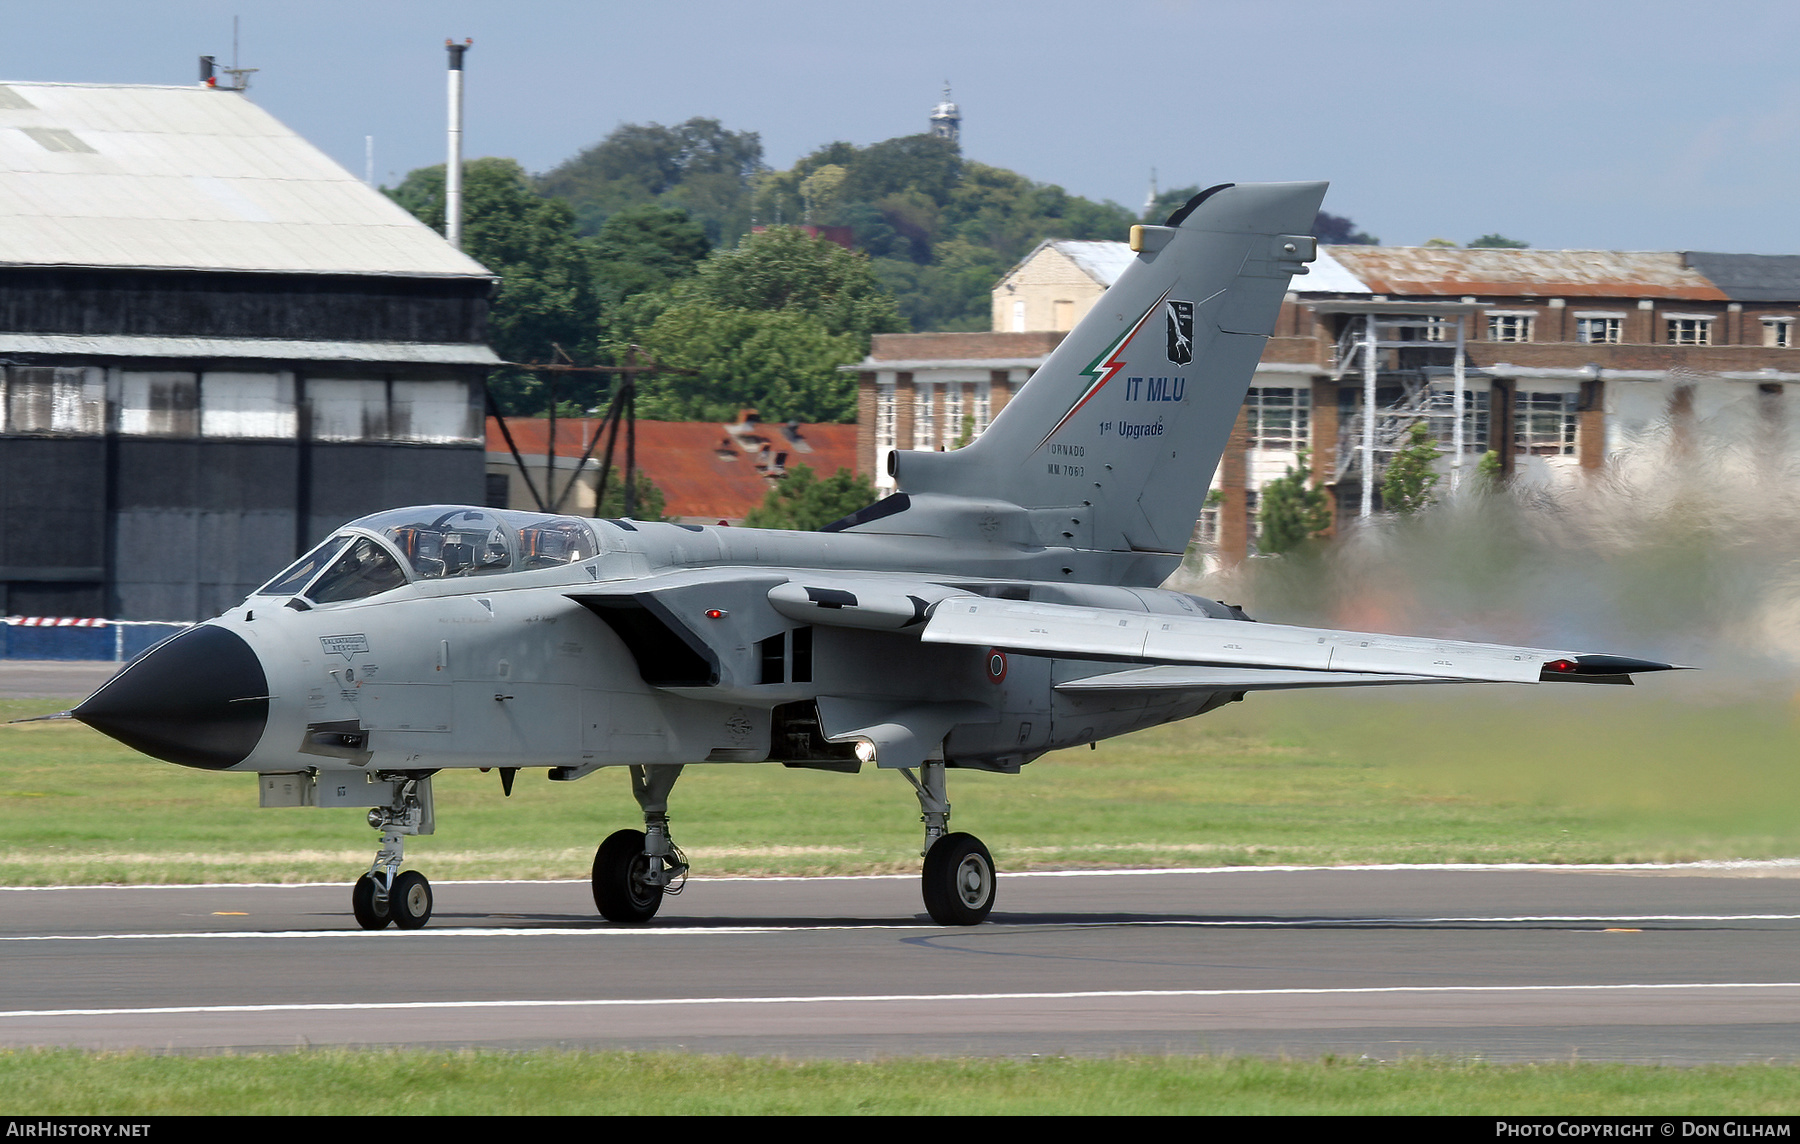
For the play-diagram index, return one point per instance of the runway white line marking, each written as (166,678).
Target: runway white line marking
(840,999)
(1792,864)
(713,931)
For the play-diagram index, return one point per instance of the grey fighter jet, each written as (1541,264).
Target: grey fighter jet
(1001,604)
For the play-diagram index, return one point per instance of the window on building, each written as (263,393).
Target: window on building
(1778,332)
(1600,329)
(984,406)
(52,399)
(884,418)
(1544,424)
(440,412)
(1440,416)
(1689,329)
(954,408)
(1279,418)
(247,405)
(925,435)
(1510,325)
(1018,316)
(159,404)
(347,410)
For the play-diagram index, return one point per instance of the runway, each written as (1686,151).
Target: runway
(1675,965)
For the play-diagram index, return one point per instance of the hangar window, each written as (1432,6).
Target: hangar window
(365,569)
(159,404)
(436,411)
(52,399)
(347,410)
(247,405)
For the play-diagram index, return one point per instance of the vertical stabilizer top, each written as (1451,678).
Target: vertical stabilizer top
(1112,444)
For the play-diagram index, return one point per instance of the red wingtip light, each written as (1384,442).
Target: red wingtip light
(1560,665)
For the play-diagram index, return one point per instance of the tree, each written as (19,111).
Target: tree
(645,248)
(804,502)
(650,499)
(784,268)
(1406,488)
(1291,511)
(1340,231)
(783,363)
(547,294)
(699,166)
(1498,242)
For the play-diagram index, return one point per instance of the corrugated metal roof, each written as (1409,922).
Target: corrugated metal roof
(1751,277)
(687,460)
(1105,261)
(1101,261)
(190,178)
(1410,271)
(259,349)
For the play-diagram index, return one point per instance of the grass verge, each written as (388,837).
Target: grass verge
(474,1082)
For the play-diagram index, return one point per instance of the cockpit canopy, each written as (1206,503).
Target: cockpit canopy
(438,542)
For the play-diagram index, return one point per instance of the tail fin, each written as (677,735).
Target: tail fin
(1112,444)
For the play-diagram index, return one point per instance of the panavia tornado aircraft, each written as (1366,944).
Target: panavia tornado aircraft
(1001,604)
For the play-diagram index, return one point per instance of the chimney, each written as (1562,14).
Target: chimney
(453,164)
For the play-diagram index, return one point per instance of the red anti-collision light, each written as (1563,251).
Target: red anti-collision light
(1560,665)
(715,613)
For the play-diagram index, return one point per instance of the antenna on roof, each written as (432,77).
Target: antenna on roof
(240,77)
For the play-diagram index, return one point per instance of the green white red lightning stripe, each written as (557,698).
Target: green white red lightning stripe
(1105,367)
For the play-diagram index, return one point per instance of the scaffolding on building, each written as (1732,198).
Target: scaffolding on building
(1403,350)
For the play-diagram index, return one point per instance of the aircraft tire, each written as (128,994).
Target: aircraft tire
(620,891)
(410,903)
(958,881)
(362,904)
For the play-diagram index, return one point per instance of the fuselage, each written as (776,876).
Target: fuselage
(449,636)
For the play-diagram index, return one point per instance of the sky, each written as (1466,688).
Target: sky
(1579,124)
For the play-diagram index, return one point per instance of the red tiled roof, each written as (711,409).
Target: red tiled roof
(705,472)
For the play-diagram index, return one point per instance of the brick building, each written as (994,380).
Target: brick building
(1567,362)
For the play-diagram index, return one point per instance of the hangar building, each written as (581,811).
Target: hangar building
(216,345)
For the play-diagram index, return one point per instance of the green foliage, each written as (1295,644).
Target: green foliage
(804,502)
(1340,231)
(1291,511)
(697,166)
(1498,242)
(1487,472)
(1408,483)
(650,501)
(645,248)
(547,294)
(764,325)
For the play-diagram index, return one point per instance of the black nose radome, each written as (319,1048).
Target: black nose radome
(199,699)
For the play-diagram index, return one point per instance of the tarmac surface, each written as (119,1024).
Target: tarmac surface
(1676,965)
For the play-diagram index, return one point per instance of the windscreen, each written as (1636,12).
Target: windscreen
(365,569)
(300,571)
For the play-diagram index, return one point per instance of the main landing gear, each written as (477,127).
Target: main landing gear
(958,878)
(633,869)
(386,893)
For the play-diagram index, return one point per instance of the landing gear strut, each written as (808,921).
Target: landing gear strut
(958,878)
(386,894)
(634,869)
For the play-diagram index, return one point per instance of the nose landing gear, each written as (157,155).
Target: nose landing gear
(633,869)
(386,893)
